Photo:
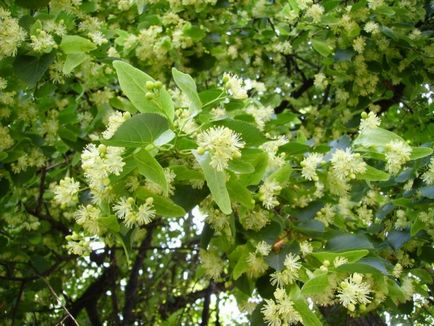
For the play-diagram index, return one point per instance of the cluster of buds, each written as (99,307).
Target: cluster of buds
(153,89)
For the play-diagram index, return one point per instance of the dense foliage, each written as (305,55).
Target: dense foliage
(160,159)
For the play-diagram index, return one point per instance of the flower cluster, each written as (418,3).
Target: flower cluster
(114,122)
(369,121)
(11,34)
(65,193)
(397,154)
(289,274)
(134,215)
(235,85)
(267,193)
(309,166)
(346,165)
(211,263)
(428,176)
(88,217)
(223,145)
(261,115)
(353,291)
(98,163)
(280,310)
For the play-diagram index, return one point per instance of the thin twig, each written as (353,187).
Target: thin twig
(20,293)
(60,301)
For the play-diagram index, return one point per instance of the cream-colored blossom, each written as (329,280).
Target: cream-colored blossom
(309,166)
(315,12)
(257,265)
(211,263)
(223,145)
(115,120)
(261,114)
(353,291)
(263,248)
(397,154)
(428,176)
(268,192)
(346,165)
(65,193)
(305,248)
(369,121)
(235,85)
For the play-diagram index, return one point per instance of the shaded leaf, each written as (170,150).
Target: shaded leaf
(216,182)
(151,169)
(138,131)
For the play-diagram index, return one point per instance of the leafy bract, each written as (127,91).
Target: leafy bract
(216,182)
(138,131)
(133,82)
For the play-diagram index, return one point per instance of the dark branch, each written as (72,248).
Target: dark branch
(308,83)
(398,93)
(175,303)
(17,303)
(92,314)
(90,296)
(205,311)
(131,288)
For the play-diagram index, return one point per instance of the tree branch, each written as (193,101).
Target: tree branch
(90,296)
(205,311)
(131,288)
(175,303)
(308,83)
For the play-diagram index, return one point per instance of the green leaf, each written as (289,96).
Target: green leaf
(282,174)
(427,192)
(133,81)
(206,235)
(349,241)
(240,194)
(183,172)
(3,156)
(419,152)
(242,265)
(216,182)
(357,268)
(416,226)
(109,222)
(151,169)
(376,137)
(352,256)
(138,131)
(251,135)
(164,138)
(76,44)
(259,160)
(308,316)
(32,4)
(373,174)
(240,166)
(276,259)
(385,10)
(72,61)
(398,238)
(31,69)
(195,32)
(343,54)
(163,206)
(322,48)
(294,148)
(188,86)
(315,285)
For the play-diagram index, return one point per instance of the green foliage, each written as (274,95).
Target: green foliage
(275,155)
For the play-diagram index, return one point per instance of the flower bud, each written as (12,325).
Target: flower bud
(149,85)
